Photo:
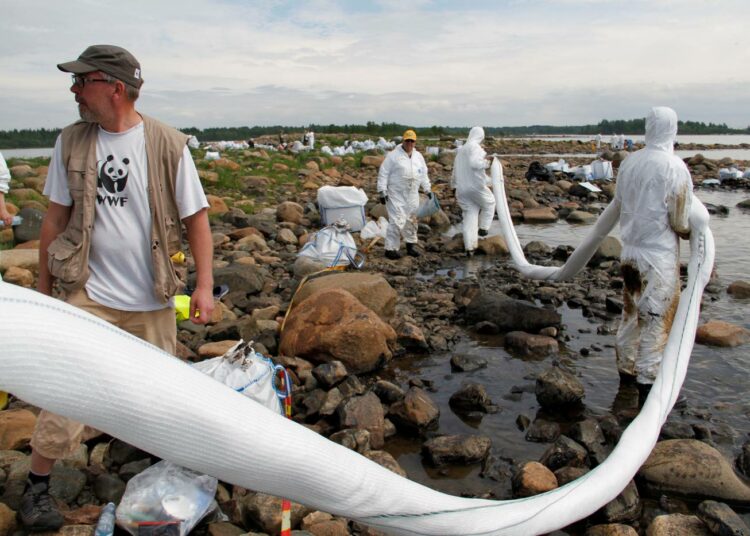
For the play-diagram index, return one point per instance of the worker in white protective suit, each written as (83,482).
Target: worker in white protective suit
(654,190)
(472,189)
(400,176)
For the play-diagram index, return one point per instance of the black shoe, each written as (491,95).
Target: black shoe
(391,254)
(38,512)
(411,250)
(483,232)
(470,253)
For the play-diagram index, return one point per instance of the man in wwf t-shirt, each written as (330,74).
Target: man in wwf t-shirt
(123,274)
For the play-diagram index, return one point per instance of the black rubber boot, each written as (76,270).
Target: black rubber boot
(483,232)
(392,254)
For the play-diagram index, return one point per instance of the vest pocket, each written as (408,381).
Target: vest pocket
(65,260)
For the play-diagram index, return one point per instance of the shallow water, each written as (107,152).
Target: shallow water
(715,387)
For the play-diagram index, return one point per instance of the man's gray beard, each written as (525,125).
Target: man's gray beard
(87,115)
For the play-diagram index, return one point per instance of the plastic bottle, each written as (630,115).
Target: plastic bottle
(16,221)
(106,524)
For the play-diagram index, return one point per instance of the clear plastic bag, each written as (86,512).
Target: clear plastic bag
(429,206)
(166,496)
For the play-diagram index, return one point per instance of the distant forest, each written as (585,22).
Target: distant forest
(42,137)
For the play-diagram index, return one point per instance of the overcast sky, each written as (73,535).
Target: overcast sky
(417,62)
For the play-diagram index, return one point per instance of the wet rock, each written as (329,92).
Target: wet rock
(580,216)
(569,474)
(471,397)
(330,374)
(411,337)
(745,203)
(721,519)
(720,333)
(688,468)
(16,427)
(536,248)
(589,434)
(539,215)
(372,290)
(611,529)
(385,459)
(388,392)
(456,449)
(109,488)
(353,439)
(417,412)
(564,452)
(333,325)
(467,363)
(509,314)
(364,413)
(677,525)
(542,431)
(624,508)
(557,387)
(739,289)
(121,452)
(526,344)
(532,479)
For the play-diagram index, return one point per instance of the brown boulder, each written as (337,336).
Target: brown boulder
(372,290)
(332,324)
(216,205)
(372,161)
(16,427)
(19,276)
(532,479)
(720,333)
(290,211)
(539,215)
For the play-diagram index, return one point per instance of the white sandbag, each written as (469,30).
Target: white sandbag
(746,174)
(432,151)
(560,165)
(193,142)
(332,246)
(582,173)
(374,228)
(602,169)
(212,155)
(342,203)
(729,173)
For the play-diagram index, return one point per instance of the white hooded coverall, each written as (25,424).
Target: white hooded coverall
(400,177)
(654,189)
(472,192)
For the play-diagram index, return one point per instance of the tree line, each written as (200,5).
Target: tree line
(43,137)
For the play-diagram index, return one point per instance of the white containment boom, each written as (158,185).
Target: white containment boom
(60,358)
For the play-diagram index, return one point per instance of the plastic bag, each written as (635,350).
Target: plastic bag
(166,495)
(429,206)
(374,228)
(247,372)
(333,246)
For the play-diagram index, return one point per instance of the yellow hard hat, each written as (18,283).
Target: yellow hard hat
(410,135)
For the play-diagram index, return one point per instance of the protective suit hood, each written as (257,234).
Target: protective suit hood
(661,129)
(476,135)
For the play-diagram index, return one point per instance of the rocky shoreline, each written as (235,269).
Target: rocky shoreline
(263,209)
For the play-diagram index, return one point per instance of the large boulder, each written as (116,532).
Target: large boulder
(372,290)
(509,314)
(332,324)
(692,469)
(241,277)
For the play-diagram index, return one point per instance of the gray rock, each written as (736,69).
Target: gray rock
(467,363)
(109,488)
(366,413)
(721,519)
(743,460)
(130,469)
(563,452)
(557,387)
(245,277)
(388,392)
(509,314)
(624,508)
(66,483)
(353,439)
(456,449)
(330,374)
(417,412)
(677,525)
(529,345)
(31,226)
(471,397)
(543,431)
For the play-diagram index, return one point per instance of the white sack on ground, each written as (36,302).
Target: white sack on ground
(209,428)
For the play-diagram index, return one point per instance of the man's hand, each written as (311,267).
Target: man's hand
(383,198)
(201,305)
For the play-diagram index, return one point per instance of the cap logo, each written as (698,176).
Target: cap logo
(137,73)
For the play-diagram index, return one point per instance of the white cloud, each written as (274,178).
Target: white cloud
(424,63)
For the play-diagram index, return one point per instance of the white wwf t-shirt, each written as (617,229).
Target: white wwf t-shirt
(120,258)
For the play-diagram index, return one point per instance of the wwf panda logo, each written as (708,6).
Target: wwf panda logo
(113,174)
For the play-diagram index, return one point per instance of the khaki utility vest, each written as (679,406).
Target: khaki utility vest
(69,252)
